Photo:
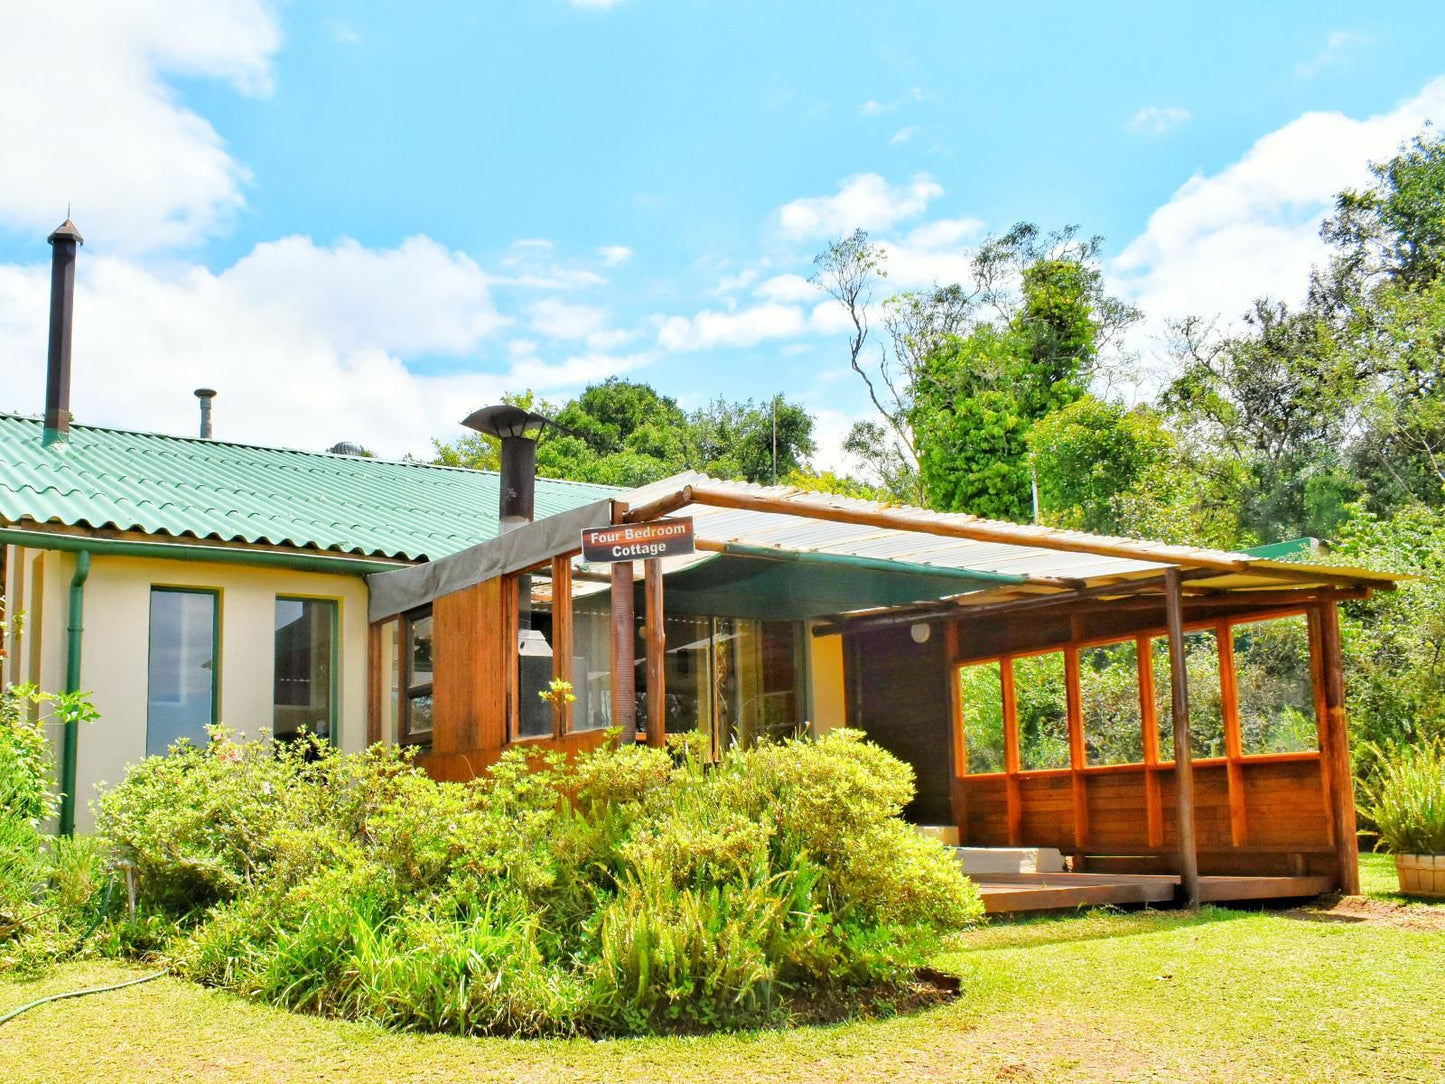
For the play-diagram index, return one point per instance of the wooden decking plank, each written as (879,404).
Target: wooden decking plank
(1006,893)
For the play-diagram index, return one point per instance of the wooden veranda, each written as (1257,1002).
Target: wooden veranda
(1237,818)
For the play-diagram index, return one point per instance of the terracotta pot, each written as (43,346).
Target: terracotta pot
(1421,874)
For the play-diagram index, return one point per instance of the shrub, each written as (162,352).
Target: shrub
(628,890)
(1407,798)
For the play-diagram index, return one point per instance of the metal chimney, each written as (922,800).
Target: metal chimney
(205,395)
(63,243)
(518,430)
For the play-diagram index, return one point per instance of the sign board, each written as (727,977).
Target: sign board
(638,541)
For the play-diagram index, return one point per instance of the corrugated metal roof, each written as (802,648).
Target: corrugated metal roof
(916,545)
(189,487)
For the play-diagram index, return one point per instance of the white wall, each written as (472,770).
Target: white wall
(115,650)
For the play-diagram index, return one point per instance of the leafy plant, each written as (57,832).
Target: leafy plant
(1407,798)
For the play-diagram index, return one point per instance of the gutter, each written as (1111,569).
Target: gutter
(177,551)
(70,729)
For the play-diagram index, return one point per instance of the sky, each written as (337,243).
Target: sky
(361,221)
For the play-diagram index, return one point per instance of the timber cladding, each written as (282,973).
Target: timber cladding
(470,659)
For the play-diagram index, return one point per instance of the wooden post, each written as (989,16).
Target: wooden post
(1183,754)
(656,648)
(1011,757)
(374,684)
(624,635)
(1233,738)
(1078,753)
(561,639)
(1337,730)
(1149,719)
(957,801)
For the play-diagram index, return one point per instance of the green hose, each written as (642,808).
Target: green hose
(13,1013)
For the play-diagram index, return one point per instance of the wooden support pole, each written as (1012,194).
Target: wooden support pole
(656,650)
(1183,754)
(1011,755)
(1149,719)
(1337,730)
(624,665)
(374,677)
(957,800)
(1233,738)
(561,639)
(1078,753)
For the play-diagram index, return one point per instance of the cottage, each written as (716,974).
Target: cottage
(1165,718)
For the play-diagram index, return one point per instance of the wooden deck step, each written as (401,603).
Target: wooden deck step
(1008,893)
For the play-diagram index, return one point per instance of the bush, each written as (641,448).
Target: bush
(1407,798)
(627,891)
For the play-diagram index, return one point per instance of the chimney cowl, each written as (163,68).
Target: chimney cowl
(205,395)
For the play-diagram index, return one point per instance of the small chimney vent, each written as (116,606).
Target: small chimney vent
(205,395)
(63,244)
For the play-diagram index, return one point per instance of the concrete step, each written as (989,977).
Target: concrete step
(983,860)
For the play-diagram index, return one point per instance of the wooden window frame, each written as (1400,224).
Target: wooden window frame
(406,688)
(1143,639)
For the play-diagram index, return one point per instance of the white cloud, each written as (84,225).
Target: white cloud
(787,288)
(612,255)
(1253,227)
(903,135)
(729,284)
(532,263)
(865,201)
(1336,50)
(746,327)
(558,319)
(89,120)
(305,344)
(872,109)
(1155,120)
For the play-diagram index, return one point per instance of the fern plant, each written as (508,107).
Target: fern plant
(1407,799)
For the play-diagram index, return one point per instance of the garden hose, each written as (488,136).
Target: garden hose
(13,1013)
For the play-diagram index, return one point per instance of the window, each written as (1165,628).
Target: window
(304,694)
(533,618)
(1275,686)
(181,672)
(415,716)
(1110,703)
(981,700)
(1206,702)
(591,670)
(1042,709)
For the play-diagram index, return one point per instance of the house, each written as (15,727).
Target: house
(1165,716)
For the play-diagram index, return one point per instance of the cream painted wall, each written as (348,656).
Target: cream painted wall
(115,650)
(825,682)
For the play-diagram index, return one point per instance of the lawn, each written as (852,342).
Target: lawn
(1223,996)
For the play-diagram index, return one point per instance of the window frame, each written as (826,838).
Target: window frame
(407,689)
(333,706)
(1222,627)
(215,594)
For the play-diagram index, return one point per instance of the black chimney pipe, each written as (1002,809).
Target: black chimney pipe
(518,430)
(63,243)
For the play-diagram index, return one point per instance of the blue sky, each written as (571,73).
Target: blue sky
(362,220)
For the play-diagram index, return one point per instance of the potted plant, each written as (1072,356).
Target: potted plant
(1407,802)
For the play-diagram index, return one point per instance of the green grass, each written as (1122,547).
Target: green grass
(1220,997)
(1379,881)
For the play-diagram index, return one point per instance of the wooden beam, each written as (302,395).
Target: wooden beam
(1233,739)
(821,507)
(1337,729)
(1078,754)
(670,502)
(561,639)
(1183,754)
(957,800)
(374,677)
(624,665)
(656,654)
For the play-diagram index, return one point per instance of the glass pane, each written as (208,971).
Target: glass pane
(687,672)
(1206,705)
(1109,698)
(591,670)
(534,659)
(304,648)
(181,672)
(1041,696)
(754,691)
(419,723)
(981,696)
(419,643)
(1276,690)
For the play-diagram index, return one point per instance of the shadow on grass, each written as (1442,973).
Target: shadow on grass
(1099,923)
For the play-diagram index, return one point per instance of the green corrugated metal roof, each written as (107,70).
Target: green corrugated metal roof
(188,487)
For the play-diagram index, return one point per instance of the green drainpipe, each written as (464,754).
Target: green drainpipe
(70,730)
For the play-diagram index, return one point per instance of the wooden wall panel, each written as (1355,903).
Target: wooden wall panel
(469,659)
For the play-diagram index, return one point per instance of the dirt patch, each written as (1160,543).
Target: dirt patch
(928,989)
(1366,911)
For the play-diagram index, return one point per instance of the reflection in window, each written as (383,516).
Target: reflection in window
(981,700)
(533,595)
(303,691)
(182,668)
(1109,697)
(591,670)
(1042,707)
(1206,704)
(1276,690)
